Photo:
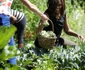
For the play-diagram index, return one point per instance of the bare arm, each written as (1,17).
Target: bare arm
(41,25)
(34,9)
(68,31)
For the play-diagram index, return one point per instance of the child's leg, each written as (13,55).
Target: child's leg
(20,31)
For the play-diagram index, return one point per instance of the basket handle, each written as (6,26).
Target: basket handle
(52,25)
(40,28)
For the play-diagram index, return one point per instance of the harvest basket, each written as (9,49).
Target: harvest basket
(47,42)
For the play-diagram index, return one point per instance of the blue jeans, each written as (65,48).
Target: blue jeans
(5,21)
(12,43)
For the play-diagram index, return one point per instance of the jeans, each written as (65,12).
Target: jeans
(5,21)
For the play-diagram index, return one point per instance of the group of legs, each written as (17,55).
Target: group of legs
(20,26)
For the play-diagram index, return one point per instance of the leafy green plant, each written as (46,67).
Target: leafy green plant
(6,33)
(33,58)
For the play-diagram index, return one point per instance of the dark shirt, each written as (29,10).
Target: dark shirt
(58,25)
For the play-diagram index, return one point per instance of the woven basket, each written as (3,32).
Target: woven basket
(47,43)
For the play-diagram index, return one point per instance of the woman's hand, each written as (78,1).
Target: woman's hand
(81,37)
(44,17)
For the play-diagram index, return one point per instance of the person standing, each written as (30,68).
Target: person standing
(20,25)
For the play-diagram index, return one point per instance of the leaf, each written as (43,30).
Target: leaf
(6,33)
(14,67)
(1,69)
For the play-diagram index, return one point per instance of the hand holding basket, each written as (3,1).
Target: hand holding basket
(47,39)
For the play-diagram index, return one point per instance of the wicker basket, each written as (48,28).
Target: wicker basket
(47,43)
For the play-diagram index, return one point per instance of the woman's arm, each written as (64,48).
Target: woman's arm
(68,31)
(34,9)
(41,25)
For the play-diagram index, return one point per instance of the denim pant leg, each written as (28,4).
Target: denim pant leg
(5,21)
(12,43)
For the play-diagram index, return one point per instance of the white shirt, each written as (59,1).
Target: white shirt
(5,6)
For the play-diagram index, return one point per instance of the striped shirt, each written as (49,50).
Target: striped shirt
(17,14)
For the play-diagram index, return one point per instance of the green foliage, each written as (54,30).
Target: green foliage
(81,3)
(40,59)
(55,59)
(7,52)
(6,32)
